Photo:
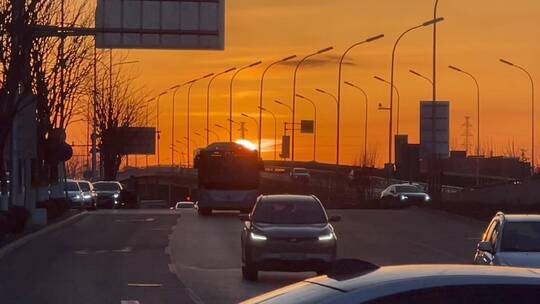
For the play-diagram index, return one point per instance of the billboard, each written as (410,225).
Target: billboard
(285,147)
(160,24)
(440,123)
(307,126)
(135,141)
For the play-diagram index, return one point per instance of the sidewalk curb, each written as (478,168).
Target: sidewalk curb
(22,241)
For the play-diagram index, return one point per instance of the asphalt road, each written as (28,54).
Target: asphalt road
(206,250)
(105,257)
(168,257)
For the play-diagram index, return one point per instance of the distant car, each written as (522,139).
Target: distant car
(108,194)
(88,194)
(300,175)
(510,240)
(184,205)
(287,233)
(414,284)
(74,194)
(400,195)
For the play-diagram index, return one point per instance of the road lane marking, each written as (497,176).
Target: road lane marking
(172,269)
(167,250)
(150,219)
(159,229)
(143,285)
(129,302)
(102,251)
(194,297)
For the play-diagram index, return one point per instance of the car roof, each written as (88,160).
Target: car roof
(107,182)
(522,217)
(418,276)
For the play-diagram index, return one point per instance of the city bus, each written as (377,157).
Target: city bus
(228,177)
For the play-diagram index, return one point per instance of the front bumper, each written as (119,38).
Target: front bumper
(286,255)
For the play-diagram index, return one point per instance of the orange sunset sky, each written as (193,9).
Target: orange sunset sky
(474,35)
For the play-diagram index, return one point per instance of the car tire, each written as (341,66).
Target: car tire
(250,272)
(205,211)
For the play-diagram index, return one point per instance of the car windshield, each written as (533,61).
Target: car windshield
(408,189)
(106,187)
(72,186)
(84,186)
(289,211)
(521,237)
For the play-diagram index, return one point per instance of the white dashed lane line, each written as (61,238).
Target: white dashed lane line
(143,285)
(129,302)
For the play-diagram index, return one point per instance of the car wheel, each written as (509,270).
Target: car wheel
(205,211)
(250,272)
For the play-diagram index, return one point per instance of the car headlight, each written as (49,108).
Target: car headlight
(257,237)
(427,198)
(326,237)
(116,195)
(116,202)
(403,197)
(87,196)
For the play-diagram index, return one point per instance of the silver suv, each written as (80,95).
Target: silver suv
(510,240)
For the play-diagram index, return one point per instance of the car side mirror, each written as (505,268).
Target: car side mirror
(244,217)
(485,246)
(334,218)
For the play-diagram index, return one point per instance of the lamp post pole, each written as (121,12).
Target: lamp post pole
(314,123)
(231,95)
(532,109)
(261,105)
(425,24)
(339,86)
(477,121)
(397,101)
(337,129)
(208,102)
(188,114)
(365,120)
(275,130)
(157,125)
(294,92)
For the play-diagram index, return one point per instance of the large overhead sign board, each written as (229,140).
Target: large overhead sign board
(441,109)
(160,24)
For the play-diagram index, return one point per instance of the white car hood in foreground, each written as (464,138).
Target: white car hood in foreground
(519,259)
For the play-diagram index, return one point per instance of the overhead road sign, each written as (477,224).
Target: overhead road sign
(442,129)
(160,24)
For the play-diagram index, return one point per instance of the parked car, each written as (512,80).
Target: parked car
(418,284)
(89,196)
(184,205)
(401,195)
(108,194)
(300,175)
(74,194)
(510,240)
(287,233)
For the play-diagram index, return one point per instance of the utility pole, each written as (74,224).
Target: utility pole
(242,130)
(467,134)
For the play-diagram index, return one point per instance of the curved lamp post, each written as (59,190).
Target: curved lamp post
(231,94)
(365,119)
(208,102)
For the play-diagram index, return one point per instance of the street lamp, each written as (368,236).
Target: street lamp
(532,108)
(371,39)
(175,90)
(261,106)
(397,101)
(366,118)
(252,119)
(284,104)
(425,24)
(222,127)
(231,94)
(314,123)
(157,124)
(208,102)
(478,119)
(337,129)
(188,114)
(294,90)
(421,76)
(275,129)
(146,122)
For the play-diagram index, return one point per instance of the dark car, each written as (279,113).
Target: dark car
(287,233)
(414,284)
(108,194)
(402,195)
